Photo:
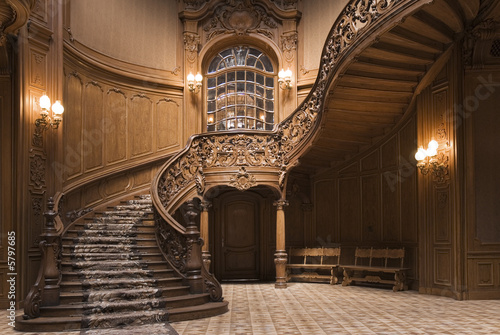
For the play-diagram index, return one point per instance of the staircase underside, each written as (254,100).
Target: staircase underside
(379,85)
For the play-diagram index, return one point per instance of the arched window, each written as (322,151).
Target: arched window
(240,90)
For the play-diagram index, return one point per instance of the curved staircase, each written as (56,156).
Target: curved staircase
(114,275)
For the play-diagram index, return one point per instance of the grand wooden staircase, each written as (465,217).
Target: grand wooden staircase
(114,275)
(137,262)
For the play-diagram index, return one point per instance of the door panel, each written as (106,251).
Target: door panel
(240,237)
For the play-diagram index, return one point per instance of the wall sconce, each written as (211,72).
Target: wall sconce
(194,82)
(428,161)
(284,79)
(45,122)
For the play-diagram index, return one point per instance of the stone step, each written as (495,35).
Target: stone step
(119,319)
(133,273)
(114,226)
(108,240)
(96,256)
(113,265)
(110,233)
(82,296)
(108,248)
(80,285)
(198,312)
(75,309)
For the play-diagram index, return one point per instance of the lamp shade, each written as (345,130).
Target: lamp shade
(421,154)
(198,78)
(45,102)
(57,108)
(433,145)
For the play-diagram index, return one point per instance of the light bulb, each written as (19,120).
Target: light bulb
(190,77)
(288,74)
(421,154)
(57,108)
(45,102)
(198,78)
(431,152)
(433,145)
(281,74)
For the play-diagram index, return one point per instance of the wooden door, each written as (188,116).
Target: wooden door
(237,236)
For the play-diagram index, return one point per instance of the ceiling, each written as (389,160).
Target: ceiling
(378,87)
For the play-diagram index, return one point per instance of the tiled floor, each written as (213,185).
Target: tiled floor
(315,309)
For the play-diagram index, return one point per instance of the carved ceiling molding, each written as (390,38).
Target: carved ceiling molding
(478,41)
(240,17)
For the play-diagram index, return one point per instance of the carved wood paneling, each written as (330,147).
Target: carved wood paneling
(389,153)
(72,159)
(442,224)
(391,223)
(442,267)
(115,121)
(93,135)
(167,119)
(38,69)
(109,124)
(370,210)
(349,213)
(370,162)
(140,125)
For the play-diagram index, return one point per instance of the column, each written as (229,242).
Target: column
(205,250)
(280,256)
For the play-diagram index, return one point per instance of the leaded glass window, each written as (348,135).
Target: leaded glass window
(240,90)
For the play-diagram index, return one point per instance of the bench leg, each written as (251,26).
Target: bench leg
(347,277)
(400,281)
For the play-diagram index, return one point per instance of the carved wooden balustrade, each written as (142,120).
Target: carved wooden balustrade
(243,159)
(46,290)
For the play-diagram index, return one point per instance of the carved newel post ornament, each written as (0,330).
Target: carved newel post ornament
(51,243)
(194,244)
(280,256)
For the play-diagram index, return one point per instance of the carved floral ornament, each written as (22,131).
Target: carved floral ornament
(240,17)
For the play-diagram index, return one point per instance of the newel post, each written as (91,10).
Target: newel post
(194,242)
(205,254)
(51,257)
(280,256)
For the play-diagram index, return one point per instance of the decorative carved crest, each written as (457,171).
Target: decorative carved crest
(191,42)
(240,17)
(289,44)
(243,180)
(477,39)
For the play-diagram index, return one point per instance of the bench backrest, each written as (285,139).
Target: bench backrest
(314,255)
(385,254)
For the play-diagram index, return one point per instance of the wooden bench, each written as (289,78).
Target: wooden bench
(384,266)
(310,264)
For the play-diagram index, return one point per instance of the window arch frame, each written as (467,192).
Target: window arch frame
(214,49)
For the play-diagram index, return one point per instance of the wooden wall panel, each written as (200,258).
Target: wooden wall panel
(140,126)
(92,131)
(370,210)
(110,124)
(442,224)
(115,121)
(167,119)
(442,267)
(325,214)
(390,211)
(73,117)
(389,153)
(349,213)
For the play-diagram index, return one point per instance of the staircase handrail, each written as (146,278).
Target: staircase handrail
(281,147)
